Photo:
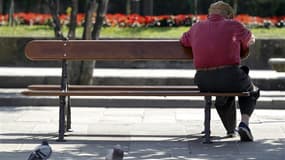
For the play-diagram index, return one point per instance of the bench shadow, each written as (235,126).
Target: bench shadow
(96,146)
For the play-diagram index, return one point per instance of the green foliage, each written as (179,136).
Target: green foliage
(114,32)
(269,33)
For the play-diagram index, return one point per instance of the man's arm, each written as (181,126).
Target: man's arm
(244,51)
(185,42)
(188,50)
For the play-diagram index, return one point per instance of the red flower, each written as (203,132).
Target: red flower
(135,20)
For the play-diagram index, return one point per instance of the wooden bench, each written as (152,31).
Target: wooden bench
(123,50)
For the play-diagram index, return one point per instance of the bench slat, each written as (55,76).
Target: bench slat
(128,93)
(107,50)
(111,87)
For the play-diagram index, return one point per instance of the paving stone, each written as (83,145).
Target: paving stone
(161,128)
(109,129)
(167,150)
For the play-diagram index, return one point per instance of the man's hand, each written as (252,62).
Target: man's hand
(245,52)
(251,41)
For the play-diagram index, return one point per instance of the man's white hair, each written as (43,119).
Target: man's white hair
(221,8)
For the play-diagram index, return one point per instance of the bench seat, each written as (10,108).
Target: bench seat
(127,93)
(112,87)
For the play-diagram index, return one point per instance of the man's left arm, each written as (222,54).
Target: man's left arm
(244,48)
(186,43)
(246,39)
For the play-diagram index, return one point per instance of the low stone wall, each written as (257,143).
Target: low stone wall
(263,50)
(12,54)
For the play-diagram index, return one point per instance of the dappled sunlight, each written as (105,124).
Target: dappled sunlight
(174,147)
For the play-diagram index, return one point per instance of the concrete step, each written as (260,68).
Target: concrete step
(14,80)
(13,97)
(14,77)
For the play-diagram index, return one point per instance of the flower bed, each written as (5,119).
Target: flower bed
(135,20)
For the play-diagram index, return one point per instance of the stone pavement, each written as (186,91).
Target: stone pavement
(144,134)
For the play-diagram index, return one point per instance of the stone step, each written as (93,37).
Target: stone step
(14,77)
(13,97)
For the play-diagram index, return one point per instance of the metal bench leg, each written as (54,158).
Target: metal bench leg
(61,119)
(63,103)
(68,114)
(208,100)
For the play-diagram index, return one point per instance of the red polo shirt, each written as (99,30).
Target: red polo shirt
(216,41)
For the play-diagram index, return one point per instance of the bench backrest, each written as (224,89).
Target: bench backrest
(107,50)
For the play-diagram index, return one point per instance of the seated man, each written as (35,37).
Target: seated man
(218,44)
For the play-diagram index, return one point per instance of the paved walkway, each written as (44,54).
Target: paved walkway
(144,133)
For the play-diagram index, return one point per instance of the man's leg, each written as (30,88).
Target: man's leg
(234,79)
(247,105)
(226,109)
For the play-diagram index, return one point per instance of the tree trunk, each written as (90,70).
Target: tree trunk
(73,19)
(148,7)
(73,67)
(196,7)
(87,67)
(91,5)
(135,6)
(100,16)
(84,69)
(235,6)
(128,7)
(132,6)
(1,6)
(82,72)
(11,13)
(86,76)
(54,9)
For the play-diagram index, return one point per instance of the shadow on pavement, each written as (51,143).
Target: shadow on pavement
(142,147)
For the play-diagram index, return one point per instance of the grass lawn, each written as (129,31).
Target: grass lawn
(166,32)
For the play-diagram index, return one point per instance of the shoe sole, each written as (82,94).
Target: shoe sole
(245,135)
(231,135)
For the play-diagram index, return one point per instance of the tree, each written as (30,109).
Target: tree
(235,6)
(81,72)
(101,12)
(74,66)
(195,6)
(73,19)
(11,13)
(136,6)
(1,6)
(133,6)
(128,7)
(148,7)
(54,9)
